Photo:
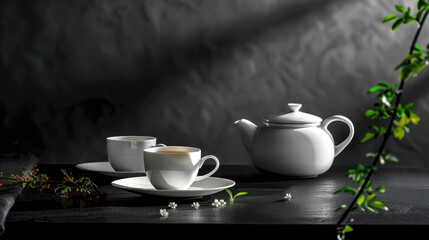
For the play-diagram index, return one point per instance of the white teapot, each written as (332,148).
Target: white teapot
(295,144)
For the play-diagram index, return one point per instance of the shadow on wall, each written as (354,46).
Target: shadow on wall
(33,111)
(78,72)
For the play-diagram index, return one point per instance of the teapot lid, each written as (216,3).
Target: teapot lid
(293,117)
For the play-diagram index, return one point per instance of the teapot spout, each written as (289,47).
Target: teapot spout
(247,131)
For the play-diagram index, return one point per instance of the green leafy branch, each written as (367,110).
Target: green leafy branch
(69,184)
(32,178)
(368,199)
(385,110)
(388,108)
(39,181)
(413,63)
(404,15)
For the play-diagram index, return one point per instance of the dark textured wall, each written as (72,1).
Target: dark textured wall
(75,72)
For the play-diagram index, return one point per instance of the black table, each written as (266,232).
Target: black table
(310,213)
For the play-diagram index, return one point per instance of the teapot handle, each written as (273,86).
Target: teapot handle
(340,147)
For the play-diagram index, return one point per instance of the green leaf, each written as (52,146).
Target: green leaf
(380,189)
(371,209)
(371,198)
(414,118)
(418,66)
(403,121)
(404,62)
(368,184)
(347,228)
(376,89)
(368,136)
(388,18)
(240,194)
(382,130)
(398,132)
(369,113)
(419,48)
(383,84)
(351,190)
(360,200)
(341,207)
(360,167)
(409,105)
(378,204)
(405,73)
(391,158)
(397,23)
(400,8)
(374,127)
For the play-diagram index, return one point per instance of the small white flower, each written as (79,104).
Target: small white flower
(219,203)
(216,203)
(172,205)
(288,196)
(195,205)
(163,212)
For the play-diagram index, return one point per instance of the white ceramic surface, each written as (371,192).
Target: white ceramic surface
(201,188)
(176,169)
(295,144)
(125,153)
(106,169)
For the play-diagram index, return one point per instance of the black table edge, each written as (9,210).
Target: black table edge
(54,230)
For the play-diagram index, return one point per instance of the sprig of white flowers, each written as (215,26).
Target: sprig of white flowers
(163,212)
(217,203)
(195,205)
(172,205)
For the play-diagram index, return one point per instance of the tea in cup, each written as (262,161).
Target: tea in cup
(125,153)
(175,167)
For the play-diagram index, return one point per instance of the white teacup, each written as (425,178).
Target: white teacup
(125,153)
(175,167)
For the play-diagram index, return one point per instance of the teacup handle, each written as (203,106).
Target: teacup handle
(202,160)
(340,147)
(160,145)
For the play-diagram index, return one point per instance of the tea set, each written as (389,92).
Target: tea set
(156,169)
(294,144)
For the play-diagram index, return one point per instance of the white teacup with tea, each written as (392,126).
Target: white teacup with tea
(175,167)
(125,153)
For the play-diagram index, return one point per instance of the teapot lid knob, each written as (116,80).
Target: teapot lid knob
(294,118)
(294,106)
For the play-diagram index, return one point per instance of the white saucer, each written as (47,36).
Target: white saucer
(106,169)
(201,188)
